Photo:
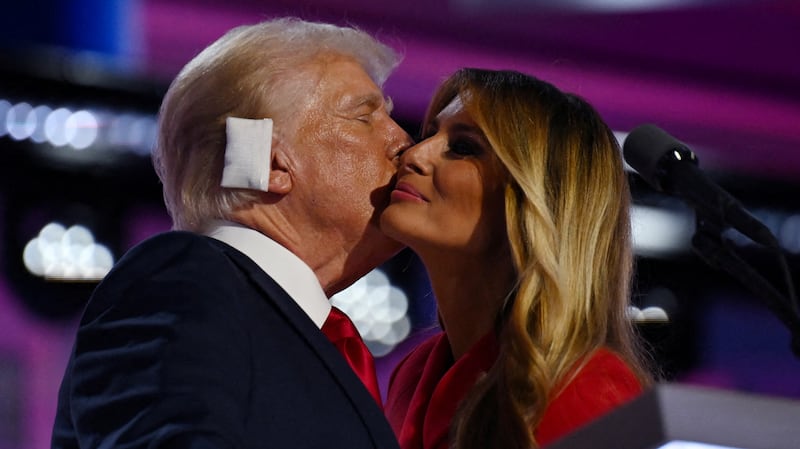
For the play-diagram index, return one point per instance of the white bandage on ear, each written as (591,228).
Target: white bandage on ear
(247,153)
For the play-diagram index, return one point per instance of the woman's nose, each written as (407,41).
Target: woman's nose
(416,158)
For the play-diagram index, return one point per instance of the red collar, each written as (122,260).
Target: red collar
(440,388)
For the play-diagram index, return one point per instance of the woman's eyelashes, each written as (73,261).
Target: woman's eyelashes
(459,142)
(463,146)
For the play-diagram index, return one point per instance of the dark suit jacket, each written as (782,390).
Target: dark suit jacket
(188,344)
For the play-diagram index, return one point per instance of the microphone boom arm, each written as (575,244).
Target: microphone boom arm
(716,252)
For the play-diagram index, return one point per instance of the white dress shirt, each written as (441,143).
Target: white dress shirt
(291,273)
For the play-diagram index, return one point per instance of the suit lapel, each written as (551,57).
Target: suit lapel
(361,399)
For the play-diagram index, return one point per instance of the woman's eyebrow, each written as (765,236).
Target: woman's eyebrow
(464,128)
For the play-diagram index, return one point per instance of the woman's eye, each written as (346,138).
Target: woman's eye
(464,147)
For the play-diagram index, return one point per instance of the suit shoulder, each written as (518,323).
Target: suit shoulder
(171,242)
(170,250)
(166,268)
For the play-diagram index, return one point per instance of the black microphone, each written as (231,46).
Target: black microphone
(669,166)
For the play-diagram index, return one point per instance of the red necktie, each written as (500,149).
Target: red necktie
(344,335)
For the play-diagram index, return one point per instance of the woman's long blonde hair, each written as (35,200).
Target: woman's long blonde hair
(567,214)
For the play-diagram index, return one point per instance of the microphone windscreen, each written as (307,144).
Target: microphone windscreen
(644,147)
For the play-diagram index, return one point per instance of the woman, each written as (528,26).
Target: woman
(517,203)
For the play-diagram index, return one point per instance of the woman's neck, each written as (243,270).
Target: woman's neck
(469,291)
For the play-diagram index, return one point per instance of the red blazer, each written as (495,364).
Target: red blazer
(426,388)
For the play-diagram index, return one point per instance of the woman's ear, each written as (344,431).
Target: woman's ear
(280,171)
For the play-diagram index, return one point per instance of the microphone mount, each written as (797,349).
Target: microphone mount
(717,252)
(670,166)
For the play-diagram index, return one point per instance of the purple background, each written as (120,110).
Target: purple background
(721,75)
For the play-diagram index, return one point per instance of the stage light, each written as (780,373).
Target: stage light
(378,309)
(69,254)
(658,231)
(4,108)
(63,164)
(55,127)
(134,133)
(19,123)
(38,115)
(116,131)
(81,129)
(651,314)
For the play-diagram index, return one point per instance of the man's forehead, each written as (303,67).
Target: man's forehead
(343,82)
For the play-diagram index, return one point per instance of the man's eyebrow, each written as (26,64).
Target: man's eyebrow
(372,100)
(389,104)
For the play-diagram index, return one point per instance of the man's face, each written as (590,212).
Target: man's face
(344,147)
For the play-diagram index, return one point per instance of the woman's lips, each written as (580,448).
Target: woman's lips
(405,191)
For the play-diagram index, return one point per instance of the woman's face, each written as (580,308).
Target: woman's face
(449,191)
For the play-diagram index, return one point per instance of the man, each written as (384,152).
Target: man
(275,152)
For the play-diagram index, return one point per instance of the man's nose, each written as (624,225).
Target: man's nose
(401,141)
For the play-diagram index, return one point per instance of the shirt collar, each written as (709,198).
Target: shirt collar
(288,270)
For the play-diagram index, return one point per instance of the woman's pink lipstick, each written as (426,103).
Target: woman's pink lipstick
(406,192)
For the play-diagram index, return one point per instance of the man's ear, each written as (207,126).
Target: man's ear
(280,171)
